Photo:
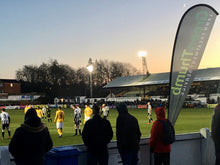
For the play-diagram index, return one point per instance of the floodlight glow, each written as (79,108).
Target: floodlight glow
(142,53)
(90,68)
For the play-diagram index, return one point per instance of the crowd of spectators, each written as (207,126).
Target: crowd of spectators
(154,103)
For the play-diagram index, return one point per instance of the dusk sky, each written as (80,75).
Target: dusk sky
(72,31)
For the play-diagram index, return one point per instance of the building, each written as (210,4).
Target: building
(9,87)
(206,82)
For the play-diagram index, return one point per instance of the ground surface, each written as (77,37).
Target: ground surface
(189,120)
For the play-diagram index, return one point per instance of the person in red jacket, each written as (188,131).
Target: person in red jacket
(161,151)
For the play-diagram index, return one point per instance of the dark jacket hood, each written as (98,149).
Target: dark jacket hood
(122,108)
(30,113)
(29,128)
(32,122)
(160,112)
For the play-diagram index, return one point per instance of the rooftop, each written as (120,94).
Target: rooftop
(208,74)
(8,80)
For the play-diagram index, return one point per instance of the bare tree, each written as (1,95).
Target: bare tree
(55,77)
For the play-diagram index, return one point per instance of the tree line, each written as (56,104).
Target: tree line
(61,80)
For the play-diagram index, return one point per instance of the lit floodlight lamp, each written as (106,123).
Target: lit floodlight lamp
(90,68)
(142,53)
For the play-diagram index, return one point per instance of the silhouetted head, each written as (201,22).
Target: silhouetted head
(96,109)
(122,108)
(31,118)
(160,112)
(30,113)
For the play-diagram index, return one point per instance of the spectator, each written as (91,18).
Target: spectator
(161,150)
(97,133)
(30,141)
(215,126)
(5,118)
(128,135)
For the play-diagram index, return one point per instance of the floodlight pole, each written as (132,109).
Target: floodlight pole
(142,55)
(90,69)
(90,84)
(143,64)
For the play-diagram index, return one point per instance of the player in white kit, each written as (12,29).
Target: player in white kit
(5,119)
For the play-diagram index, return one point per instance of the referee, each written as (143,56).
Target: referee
(5,118)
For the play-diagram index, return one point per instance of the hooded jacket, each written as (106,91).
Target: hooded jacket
(157,133)
(30,141)
(127,130)
(97,133)
(215,126)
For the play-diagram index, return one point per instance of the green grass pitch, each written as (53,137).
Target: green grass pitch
(189,120)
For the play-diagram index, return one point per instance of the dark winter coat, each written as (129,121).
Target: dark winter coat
(155,142)
(127,130)
(215,126)
(97,133)
(31,141)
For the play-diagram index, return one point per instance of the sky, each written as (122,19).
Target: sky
(72,31)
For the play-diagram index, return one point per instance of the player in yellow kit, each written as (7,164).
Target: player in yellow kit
(59,118)
(27,107)
(87,113)
(39,112)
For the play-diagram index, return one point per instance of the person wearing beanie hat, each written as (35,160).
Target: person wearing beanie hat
(128,135)
(96,135)
(31,141)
